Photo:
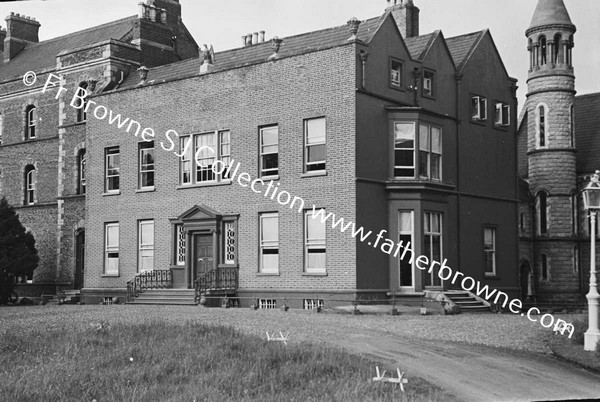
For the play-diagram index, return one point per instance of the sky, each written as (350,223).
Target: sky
(223,22)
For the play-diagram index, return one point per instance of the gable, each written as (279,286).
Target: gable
(199,213)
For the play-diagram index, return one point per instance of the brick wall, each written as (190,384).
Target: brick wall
(283,92)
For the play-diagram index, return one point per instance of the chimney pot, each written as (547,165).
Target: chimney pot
(255,38)
(248,39)
(262,36)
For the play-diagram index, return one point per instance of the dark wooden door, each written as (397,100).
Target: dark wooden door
(203,261)
(79,258)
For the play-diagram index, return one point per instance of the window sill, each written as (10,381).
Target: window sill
(490,276)
(501,126)
(268,274)
(112,193)
(396,87)
(314,274)
(270,178)
(316,173)
(207,184)
(428,96)
(110,275)
(480,122)
(145,190)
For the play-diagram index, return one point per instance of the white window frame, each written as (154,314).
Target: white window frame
(111,249)
(109,153)
(145,248)
(264,172)
(431,234)
(396,74)
(147,169)
(479,108)
(320,141)
(30,184)
(410,233)
(180,245)
(490,248)
(219,143)
(268,244)
(502,115)
(407,168)
(426,150)
(314,244)
(31,122)
(428,83)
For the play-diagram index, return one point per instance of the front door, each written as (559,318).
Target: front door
(203,261)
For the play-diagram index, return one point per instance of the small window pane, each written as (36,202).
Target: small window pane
(315,132)
(316,228)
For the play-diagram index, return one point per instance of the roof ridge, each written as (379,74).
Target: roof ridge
(468,34)
(115,22)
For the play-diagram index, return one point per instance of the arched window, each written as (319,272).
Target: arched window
(557,56)
(81,104)
(530,49)
(29,185)
(544,267)
(543,51)
(541,112)
(569,54)
(30,122)
(542,208)
(81,166)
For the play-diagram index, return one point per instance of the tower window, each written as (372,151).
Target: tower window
(542,207)
(30,122)
(541,112)
(557,56)
(543,51)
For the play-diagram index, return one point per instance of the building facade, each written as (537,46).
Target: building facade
(369,121)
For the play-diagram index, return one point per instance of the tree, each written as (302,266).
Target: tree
(18,255)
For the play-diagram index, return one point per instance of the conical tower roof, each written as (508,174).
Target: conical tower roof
(550,12)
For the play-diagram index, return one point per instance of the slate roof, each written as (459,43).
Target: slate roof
(42,55)
(418,45)
(461,46)
(587,132)
(253,54)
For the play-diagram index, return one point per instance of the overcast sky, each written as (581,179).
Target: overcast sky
(223,22)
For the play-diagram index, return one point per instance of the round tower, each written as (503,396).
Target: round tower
(551,150)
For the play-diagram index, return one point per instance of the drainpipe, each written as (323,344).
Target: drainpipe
(459,78)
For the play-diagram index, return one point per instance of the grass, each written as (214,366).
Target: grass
(156,361)
(572,349)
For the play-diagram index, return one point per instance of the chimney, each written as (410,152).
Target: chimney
(261,37)
(406,15)
(20,30)
(171,8)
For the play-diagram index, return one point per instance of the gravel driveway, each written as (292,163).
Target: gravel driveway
(463,363)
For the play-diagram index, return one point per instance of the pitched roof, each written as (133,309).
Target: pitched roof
(587,135)
(461,46)
(253,54)
(42,55)
(418,45)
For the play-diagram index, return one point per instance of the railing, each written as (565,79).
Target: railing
(219,279)
(149,280)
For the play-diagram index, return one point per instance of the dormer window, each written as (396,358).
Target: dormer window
(30,122)
(478,108)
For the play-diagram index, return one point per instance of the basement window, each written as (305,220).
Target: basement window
(267,304)
(311,304)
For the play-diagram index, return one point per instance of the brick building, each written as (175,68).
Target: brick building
(558,152)
(370,121)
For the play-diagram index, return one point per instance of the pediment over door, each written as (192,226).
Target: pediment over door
(199,213)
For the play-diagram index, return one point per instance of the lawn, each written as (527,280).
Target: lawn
(57,357)
(572,349)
